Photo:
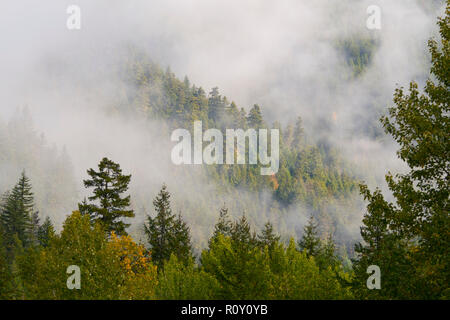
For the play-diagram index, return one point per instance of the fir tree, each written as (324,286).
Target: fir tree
(108,183)
(327,257)
(268,237)
(310,242)
(16,213)
(223,225)
(45,232)
(216,105)
(254,118)
(299,134)
(241,234)
(180,243)
(166,233)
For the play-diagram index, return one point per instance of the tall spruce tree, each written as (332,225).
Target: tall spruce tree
(255,119)
(16,213)
(310,241)
(45,232)
(241,235)
(181,245)
(268,237)
(166,233)
(409,239)
(216,105)
(223,225)
(109,184)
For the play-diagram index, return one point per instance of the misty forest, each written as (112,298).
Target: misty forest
(86,177)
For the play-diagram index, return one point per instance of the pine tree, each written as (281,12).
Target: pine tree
(299,134)
(216,105)
(35,221)
(16,213)
(181,245)
(310,242)
(241,234)
(45,232)
(166,233)
(327,257)
(223,225)
(254,118)
(268,237)
(108,183)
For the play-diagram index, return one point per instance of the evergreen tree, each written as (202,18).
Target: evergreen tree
(223,225)
(180,244)
(254,118)
(16,213)
(327,257)
(241,234)
(45,232)
(216,105)
(299,134)
(35,221)
(166,233)
(310,242)
(268,237)
(108,183)
(6,278)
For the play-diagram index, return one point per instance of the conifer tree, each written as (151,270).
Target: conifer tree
(109,183)
(216,105)
(268,237)
(6,278)
(299,134)
(327,257)
(241,234)
(45,232)
(16,213)
(310,242)
(254,118)
(166,233)
(223,225)
(181,245)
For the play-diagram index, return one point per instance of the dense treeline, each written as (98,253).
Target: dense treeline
(311,174)
(237,264)
(407,239)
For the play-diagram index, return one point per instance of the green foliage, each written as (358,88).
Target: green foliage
(185,281)
(16,215)
(110,269)
(409,239)
(223,225)
(44,272)
(45,232)
(310,242)
(108,183)
(166,233)
(6,277)
(268,237)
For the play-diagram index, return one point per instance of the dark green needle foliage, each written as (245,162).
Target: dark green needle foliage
(108,205)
